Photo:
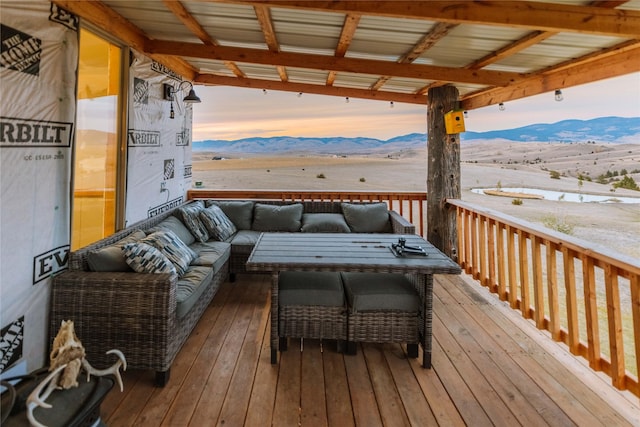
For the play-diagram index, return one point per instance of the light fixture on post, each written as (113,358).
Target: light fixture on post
(558,95)
(501,106)
(169,94)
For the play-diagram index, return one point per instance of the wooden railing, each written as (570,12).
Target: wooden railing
(569,287)
(411,205)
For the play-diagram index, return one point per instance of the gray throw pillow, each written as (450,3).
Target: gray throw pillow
(144,258)
(239,212)
(174,224)
(219,225)
(324,223)
(173,248)
(110,258)
(190,216)
(367,217)
(277,217)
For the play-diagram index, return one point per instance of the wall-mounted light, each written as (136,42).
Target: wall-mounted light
(264,91)
(466,114)
(169,94)
(346,100)
(558,95)
(299,94)
(501,106)
(391,104)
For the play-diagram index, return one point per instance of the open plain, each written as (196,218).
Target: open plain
(612,226)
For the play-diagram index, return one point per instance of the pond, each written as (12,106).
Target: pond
(563,196)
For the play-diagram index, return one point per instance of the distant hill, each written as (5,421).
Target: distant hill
(603,129)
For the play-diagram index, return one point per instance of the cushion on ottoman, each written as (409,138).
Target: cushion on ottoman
(310,288)
(380,291)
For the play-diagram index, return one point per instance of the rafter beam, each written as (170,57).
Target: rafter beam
(214,80)
(112,22)
(181,12)
(617,61)
(328,63)
(263,14)
(541,16)
(349,28)
(426,42)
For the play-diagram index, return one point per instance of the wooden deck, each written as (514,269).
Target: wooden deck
(490,367)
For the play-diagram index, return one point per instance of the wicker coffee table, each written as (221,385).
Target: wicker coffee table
(276,252)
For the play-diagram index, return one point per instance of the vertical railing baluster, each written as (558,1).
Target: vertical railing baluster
(616,343)
(525,301)
(538,293)
(552,291)
(572,301)
(511,260)
(591,312)
(502,291)
(491,252)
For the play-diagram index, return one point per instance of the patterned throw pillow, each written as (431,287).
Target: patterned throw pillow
(219,225)
(190,216)
(170,245)
(144,258)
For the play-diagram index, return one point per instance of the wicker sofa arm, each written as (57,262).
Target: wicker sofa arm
(132,312)
(400,225)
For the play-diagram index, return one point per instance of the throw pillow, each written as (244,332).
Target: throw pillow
(218,224)
(277,217)
(144,258)
(190,216)
(173,248)
(324,223)
(111,258)
(367,217)
(174,224)
(239,212)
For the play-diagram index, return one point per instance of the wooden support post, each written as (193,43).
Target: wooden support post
(443,170)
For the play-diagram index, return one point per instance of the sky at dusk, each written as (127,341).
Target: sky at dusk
(231,113)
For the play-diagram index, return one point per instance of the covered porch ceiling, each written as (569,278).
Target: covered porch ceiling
(492,51)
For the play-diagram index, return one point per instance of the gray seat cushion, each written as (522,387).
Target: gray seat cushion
(191,286)
(380,291)
(310,288)
(244,241)
(211,254)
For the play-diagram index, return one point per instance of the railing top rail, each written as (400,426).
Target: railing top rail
(594,250)
(277,194)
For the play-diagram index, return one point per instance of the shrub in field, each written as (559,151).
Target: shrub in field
(516,202)
(362,180)
(554,174)
(558,224)
(321,176)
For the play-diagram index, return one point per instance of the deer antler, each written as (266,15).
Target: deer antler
(36,399)
(114,369)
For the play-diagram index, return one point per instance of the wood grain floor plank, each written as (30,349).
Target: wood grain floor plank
(339,409)
(312,396)
(363,399)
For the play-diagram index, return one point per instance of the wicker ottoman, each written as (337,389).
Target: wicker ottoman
(311,305)
(383,308)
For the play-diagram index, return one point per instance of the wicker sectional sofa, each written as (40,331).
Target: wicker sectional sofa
(118,299)
(254,217)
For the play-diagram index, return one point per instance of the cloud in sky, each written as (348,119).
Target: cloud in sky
(235,113)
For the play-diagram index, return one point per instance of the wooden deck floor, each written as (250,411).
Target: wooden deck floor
(490,367)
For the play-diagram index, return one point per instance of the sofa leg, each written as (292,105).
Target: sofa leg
(352,348)
(274,356)
(162,377)
(284,343)
(341,346)
(412,350)
(232,277)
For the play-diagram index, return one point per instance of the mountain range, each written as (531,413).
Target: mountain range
(601,130)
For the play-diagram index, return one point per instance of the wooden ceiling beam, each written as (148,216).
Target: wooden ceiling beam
(541,16)
(214,80)
(108,20)
(349,27)
(329,63)
(181,12)
(263,13)
(426,42)
(616,62)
